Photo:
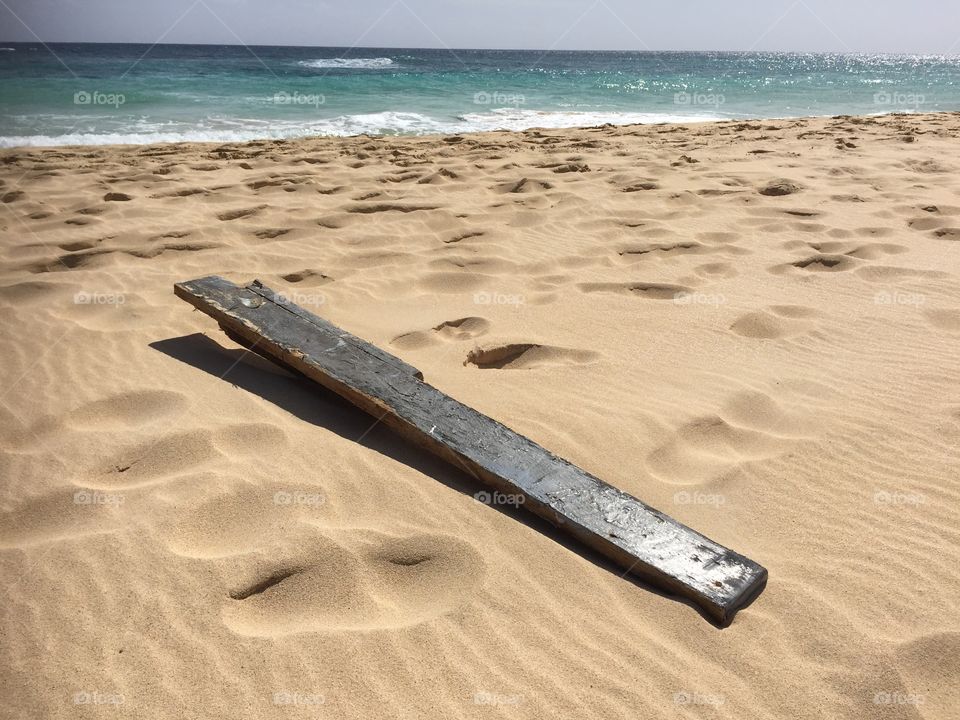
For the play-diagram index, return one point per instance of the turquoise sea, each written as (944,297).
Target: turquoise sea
(89,93)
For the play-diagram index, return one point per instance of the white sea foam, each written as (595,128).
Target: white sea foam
(349,63)
(382,123)
(516,119)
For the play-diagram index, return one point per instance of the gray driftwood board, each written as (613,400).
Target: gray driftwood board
(642,540)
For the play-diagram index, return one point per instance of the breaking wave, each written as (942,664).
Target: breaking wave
(349,63)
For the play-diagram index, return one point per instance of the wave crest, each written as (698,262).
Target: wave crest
(348,63)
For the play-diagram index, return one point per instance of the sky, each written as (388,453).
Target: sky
(893,26)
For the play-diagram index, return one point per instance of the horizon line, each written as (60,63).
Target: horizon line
(43,43)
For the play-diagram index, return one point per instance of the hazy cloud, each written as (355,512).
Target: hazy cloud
(924,26)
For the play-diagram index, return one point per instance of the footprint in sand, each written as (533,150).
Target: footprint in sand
(455,281)
(465,235)
(822,263)
(316,277)
(523,185)
(154,460)
(525,356)
(228,215)
(217,517)
(715,271)
(30,292)
(650,291)
(930,668)
(869,251)
(271,233)
(127,409)
(927,222)
(876,232)
(458,330)
(808,227)
(635,252)
(442,176)
(184,192)
(395,207)
(750,427)
(775,322)
(948,320)
(472,263)
(60,515)
(947,233)
(374,582)
(336,221)
(151,461)
(70,261)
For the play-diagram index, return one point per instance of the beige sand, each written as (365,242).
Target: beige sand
(781,372)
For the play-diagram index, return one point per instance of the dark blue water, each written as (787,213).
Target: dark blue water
(89,93)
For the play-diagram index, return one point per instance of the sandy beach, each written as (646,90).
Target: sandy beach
(752,326)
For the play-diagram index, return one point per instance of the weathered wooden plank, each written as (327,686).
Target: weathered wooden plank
(639,538)
(322,326)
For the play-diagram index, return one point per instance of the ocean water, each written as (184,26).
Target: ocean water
(91,94)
